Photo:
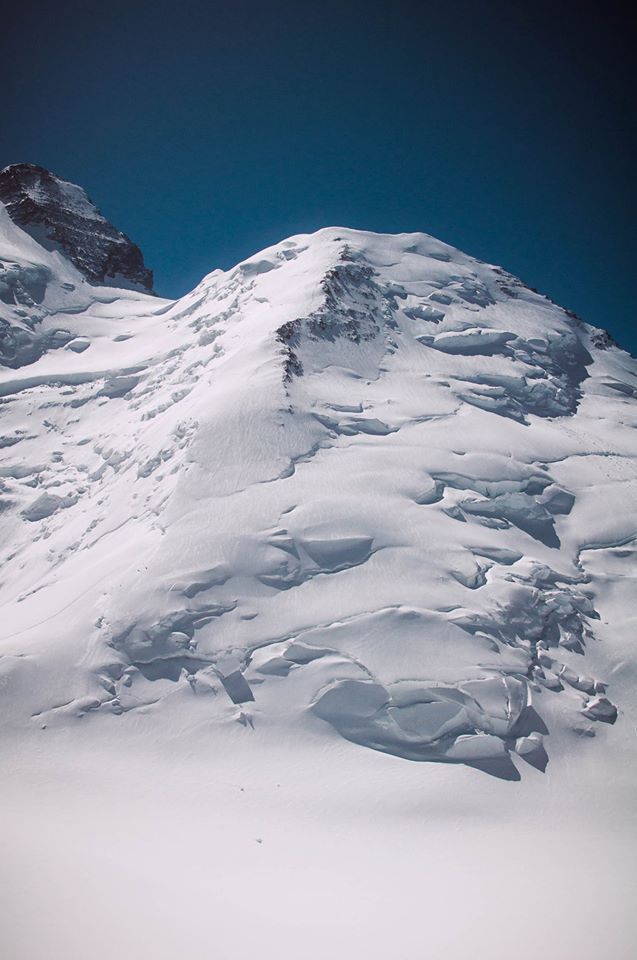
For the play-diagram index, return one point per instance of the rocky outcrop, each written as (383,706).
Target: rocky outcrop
(60,216)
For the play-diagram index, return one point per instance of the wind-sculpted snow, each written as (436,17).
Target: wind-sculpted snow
(355,483)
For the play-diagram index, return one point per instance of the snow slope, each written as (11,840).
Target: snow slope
(361,501)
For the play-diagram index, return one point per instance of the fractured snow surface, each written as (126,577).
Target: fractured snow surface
(318,612)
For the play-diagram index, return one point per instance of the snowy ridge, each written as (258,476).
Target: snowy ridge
(362,483)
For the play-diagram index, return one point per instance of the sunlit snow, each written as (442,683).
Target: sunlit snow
(317,611)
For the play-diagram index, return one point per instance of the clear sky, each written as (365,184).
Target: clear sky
(208,130)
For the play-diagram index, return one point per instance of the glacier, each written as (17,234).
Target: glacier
(317,607)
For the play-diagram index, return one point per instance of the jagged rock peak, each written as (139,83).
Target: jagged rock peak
(61,216)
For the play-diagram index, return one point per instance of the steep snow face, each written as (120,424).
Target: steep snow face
(60,216)
(360,484)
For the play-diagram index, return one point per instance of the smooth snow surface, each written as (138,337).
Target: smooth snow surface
(318,613)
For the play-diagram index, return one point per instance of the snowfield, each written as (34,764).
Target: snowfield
(318,612)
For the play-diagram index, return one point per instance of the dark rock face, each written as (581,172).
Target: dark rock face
(60,216)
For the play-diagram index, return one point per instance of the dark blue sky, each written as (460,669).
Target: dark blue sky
(209,130)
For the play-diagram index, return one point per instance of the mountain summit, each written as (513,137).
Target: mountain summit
(362,458)
(317,605)
(60,216)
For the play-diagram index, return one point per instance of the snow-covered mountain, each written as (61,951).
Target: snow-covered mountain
(362,494)
(60,216)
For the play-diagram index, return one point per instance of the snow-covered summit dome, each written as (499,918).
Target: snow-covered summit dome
(361,475)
